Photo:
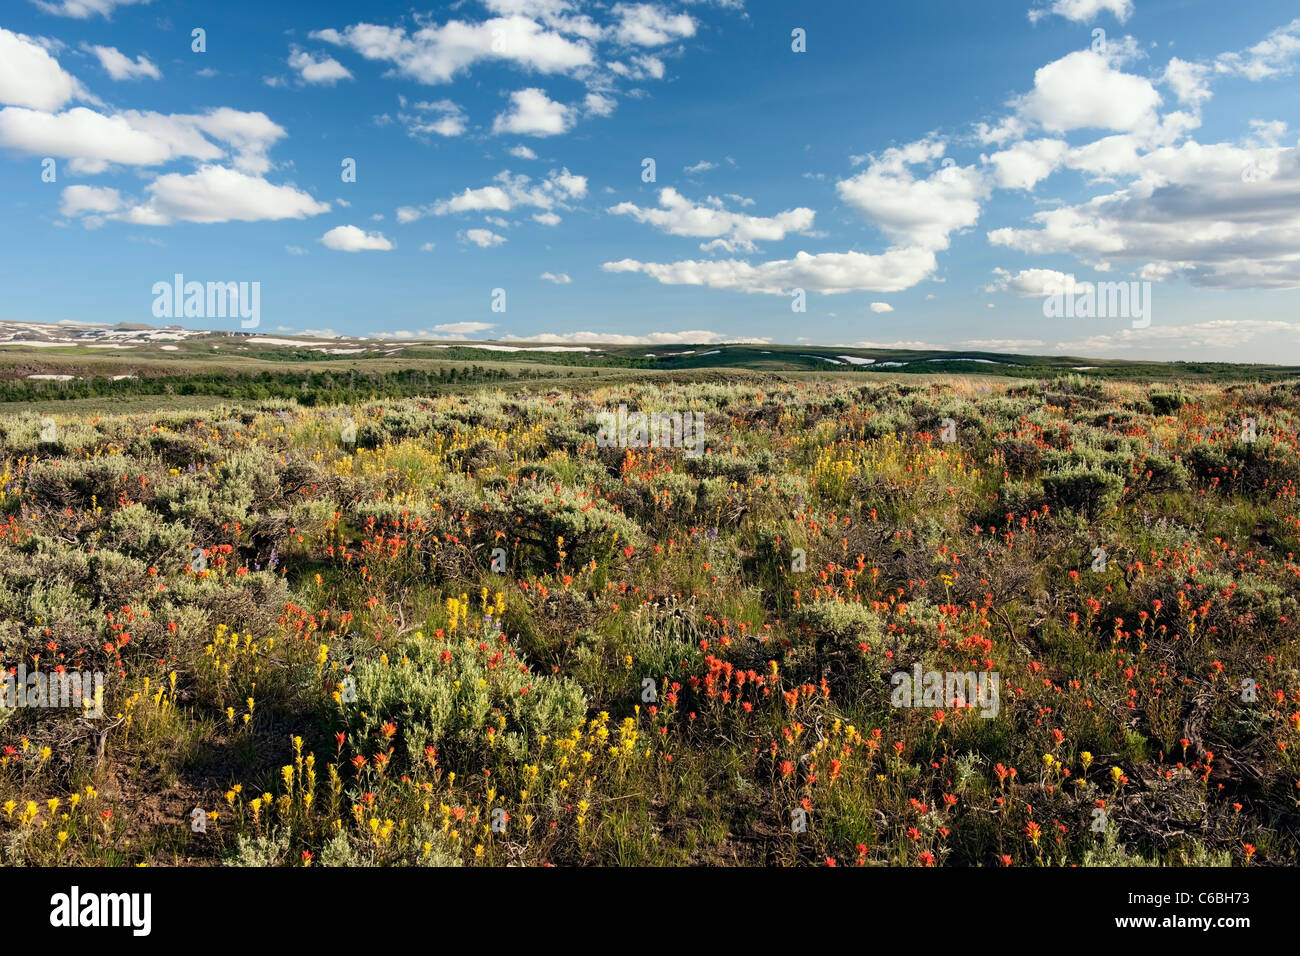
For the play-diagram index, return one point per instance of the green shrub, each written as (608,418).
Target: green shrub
(463,697)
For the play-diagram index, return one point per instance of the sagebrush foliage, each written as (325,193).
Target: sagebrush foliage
(468,634)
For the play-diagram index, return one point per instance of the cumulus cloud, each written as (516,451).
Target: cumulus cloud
(1218,215)
(92,199)
(1027,163)
(730,231)
(31,77)
(85,134)
(1084,11)
(881,307)
(212,194)
(325,72)
(442,117)
(471,200)
(598,47)
(81,9)
(355,239)
(913,344)
(462,328)
(644,67)
(119,66)
(451,331)
(559,278)
(921,212)
(1001,345)
(692,337)
(435,53)
(1213,338)
(649,24)
(521,152)
(827,272)
(1085,90)
(917,214)
(1029,283)
(533,113)
(1188,81)
(483,238)
(142,139)
(1275,55)
(598,104)
(508,191)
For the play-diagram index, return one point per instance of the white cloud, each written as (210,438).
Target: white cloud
(81,9)
(1108,157)
(559,278)
(142,139)
(1007,128)
(474,200)
(571,183)
(532,113)
(121,67)
(295,250)
(1084,90)
(355,239)
(521,152)
(1084,11)
(1213,338)
(547,37)
(911,211)
(326,72)
(1275,55)
(692,337)
(918,214)
(913,344)
(881,307)
(435,53)
(1001,345)
(219,194)
(442,117)
(729,231)
(31,77)
(645,67)
(79,199)
(826,272)
(1027,163)
(463,328)
(1188,81)
(85,134)
(1193,211)
(483,238)
(703,166)
(597,104)
(1030,283)
(648,24)
(508,192)
(546,218)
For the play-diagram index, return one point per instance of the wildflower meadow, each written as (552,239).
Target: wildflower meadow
(1037,623)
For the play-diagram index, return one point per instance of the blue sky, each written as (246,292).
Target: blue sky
(924,171)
